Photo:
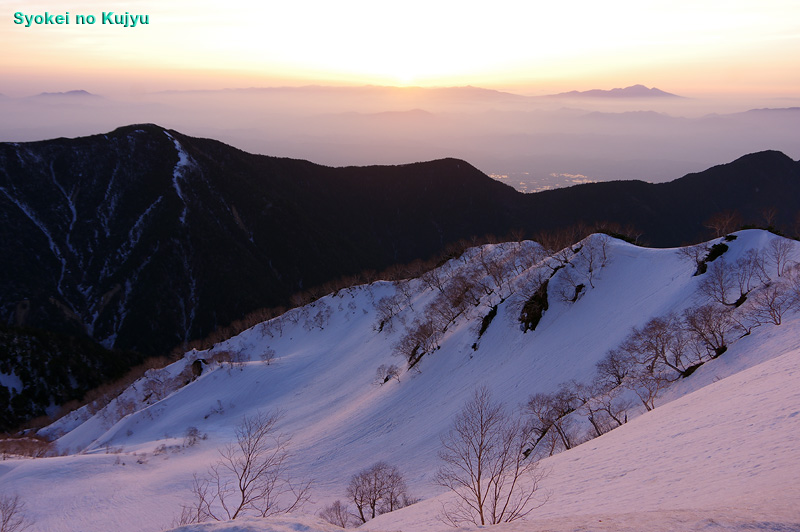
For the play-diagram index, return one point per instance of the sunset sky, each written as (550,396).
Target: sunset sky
(683,46)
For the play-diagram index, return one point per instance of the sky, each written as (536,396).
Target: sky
(694,47)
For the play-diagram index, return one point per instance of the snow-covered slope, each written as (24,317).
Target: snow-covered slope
(727,452)
(720,439)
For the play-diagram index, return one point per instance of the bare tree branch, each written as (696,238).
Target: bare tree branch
(486,466)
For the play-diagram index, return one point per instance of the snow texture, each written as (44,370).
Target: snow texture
(719,452)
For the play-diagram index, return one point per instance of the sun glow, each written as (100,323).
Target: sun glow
(423,43)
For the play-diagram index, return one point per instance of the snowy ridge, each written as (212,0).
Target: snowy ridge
(719,439)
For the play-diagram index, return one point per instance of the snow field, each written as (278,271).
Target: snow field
(719,443)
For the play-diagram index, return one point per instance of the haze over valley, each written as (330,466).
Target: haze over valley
(536,142)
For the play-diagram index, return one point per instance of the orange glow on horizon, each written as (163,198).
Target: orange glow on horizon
(699,46)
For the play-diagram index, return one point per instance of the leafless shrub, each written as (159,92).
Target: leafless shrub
(28,446)
(793,285)
(646,385)
(377,490)
(496,269)
(723,223)
(296,314)
(156,387)
(251,476)
(660,345)
(525,257)
(486,466)
(592,257)
(719,284)
(558,243)
(272,327)
(435,279)
(615,367)
(124,407)
(385,373)
(443,311)
(405,289)
(463,290)
(267,356)
(778,255)
(610,407)
(320,318)
(422,337)
(603,407)
(570,286)
(711,325)
(221,357)
(695,255)
(550,422)
(192,436)
(769,215)
(770,303)
(12,514)
(387,308)
(337,514)
(239,359)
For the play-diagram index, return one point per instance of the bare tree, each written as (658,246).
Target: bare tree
(377,490)
(570,285)
(711,326)
(610,403)
(723,223)
(385,373)
(719,284)
(771,303)
(659,345)
(267,356)
(769,214)
(12,514)
(337,513)
(593,256)
(647,386)
(486,465)
(405,289)
(550,418)
(251,476)
(435,279)
(422,337)
(615,367)
(602,406)
(387,308)
(793,285)
(696,255)
(778,253)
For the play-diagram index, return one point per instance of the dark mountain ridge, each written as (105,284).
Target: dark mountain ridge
(145,238)
(148,238)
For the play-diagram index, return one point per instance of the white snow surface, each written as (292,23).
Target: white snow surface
(291,523)
(179,173)
(719,452)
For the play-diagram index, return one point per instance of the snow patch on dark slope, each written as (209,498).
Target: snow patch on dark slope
(718,449)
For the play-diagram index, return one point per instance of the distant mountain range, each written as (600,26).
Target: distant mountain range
(634,91)
(145,238)
(68,94)
(429,93)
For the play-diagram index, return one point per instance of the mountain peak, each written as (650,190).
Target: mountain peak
(633,91)
(80,93)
